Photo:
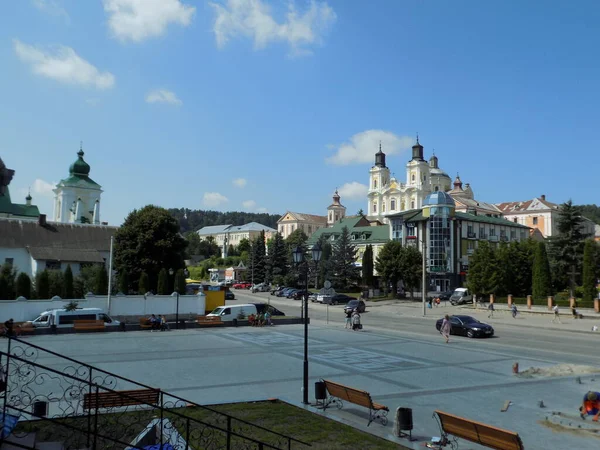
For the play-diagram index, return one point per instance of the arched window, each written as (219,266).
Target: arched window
(374,207)
(402,206)
(383,206)
(412,204)
(393,205)
(412,178)
(374,184)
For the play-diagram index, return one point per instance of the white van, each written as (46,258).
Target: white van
(461,296)
(234,313)
(64,318)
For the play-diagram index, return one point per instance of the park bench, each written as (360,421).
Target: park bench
(24,328)
(339,393)
(209,321)
(119,399)
(480,433)
(88,325)
(145,323)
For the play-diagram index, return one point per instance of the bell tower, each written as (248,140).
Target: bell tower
(378,180)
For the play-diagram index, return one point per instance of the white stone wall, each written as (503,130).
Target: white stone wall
(131,305)
(21,259)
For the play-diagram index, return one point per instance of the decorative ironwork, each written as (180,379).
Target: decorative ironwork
(80,406)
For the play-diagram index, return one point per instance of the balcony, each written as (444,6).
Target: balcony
(471,235)
(493,238)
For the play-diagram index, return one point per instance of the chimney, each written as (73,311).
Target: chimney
(544,197)
(42,220)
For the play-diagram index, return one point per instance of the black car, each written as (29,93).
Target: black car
(229,295)
(339,299)
(263,308)
(467,326)
(355,304)
(299,295)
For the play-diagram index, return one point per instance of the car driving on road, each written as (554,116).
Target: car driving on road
(355,304)
(467,326)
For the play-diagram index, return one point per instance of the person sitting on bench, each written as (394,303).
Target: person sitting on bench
(590,406)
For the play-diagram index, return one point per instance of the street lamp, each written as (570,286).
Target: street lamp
(298,255)
(176,292)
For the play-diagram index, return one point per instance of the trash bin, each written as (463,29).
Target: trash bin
(320,392)
(403,422)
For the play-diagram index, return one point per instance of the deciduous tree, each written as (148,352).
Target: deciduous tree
(388,264)
(483,276)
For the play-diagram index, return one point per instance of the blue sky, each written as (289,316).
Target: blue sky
(265,105)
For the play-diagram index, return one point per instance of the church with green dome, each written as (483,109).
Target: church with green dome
(8,209)
(77,197)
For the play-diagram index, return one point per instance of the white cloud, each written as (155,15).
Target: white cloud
(43,188)
(253,19)
(361,147)
(213,199)
(64,65)
(163,96)
(249,204)
(262,210)
(137,20)
(240,182)
(51,7)
(353,191)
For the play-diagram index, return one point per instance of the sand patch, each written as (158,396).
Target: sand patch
(559,370)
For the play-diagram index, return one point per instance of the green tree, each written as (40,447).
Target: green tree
(180,284)
(124,282)
(244,246)
(483,277)
(589,270)
(149,240)
(277,260)
(257,268)
(23,286)
(566,248)
(101,281)
(7,282)
(343,259)
(411,267)
(144,283)
(42,285)
(388,264)
(324,269)
(367,267)
(57,283)
(163,282)
(542,278)
(79,287)
(68,280)
(360,212)
(231,250)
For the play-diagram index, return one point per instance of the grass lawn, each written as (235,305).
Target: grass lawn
(278,416)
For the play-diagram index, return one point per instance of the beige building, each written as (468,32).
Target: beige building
(225,235)
(538,214)
(292,221)
(464,198)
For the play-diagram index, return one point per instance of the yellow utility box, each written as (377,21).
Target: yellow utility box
(215,296)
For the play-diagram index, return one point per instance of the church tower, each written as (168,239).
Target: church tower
(336,211)
(378,180)
(418,183)
(77,197)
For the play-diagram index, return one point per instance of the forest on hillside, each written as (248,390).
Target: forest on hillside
(194,219)
(592,212)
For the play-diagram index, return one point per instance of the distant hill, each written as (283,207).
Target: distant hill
(592,212)
(197,219)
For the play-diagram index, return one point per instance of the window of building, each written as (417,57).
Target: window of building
(513,234)
(309,229)
(374,184)
(410,230)
(52,265)
(471,245)
(353,237)
(515,220)
(412,204)
(492,231)
(9,261)
(393,205)
(396,230)
(375,207)
(412,178)
(469,230)
(383,206)
(337,217)
(535,220)
(481,232)
(439,248)
(330,216)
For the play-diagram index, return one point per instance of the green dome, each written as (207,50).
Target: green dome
(79,167)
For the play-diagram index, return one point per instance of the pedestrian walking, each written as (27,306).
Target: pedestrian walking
(491,310)
(356,325)
(348,319)
(445,328)
(556,314)
(514,311)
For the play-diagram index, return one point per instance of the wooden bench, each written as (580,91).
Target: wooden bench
(478,432)
(24,328)
(145,323)
(339,392)
(88,325)
(118,399)
(209,320)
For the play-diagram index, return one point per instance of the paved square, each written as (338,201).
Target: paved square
(362,360)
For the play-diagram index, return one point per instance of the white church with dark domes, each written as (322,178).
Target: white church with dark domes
(77,197)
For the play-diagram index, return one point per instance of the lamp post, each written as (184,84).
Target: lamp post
(298,254)
(171,272)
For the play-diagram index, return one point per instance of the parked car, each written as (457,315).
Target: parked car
(291,292)
(467,326)
(242,285)
(300,294)
(461,296)
(229,295)
(274,289)
(284,292)
(313,297)
(337,299)
(261,287)
(355,304)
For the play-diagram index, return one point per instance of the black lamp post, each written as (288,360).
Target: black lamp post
(177,307)
(298,254)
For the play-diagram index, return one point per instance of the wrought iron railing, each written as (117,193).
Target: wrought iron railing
(63,405)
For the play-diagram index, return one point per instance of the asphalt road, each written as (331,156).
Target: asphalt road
(406,320)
